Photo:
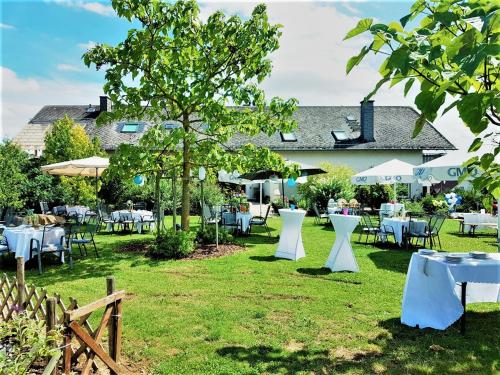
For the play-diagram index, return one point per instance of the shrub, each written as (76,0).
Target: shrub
(172,244)
(24,341)
(373,195)
(471,200)
(414,207)
(207,235)
(212,195)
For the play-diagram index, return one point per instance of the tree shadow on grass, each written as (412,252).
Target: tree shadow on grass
(324,273)
(265,258)
(396,260)
(396,348)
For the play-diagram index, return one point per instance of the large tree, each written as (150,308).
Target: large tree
(176,66)
(452,51)
(12,179)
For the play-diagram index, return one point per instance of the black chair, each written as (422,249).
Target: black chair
(368,228)
(414,231)
(260,221)
(82,234)
(105,218)
(435,224)
(139,206)
(8,218)
(229,221)
(126,221)
(60,211)
(4,245)
(44,208)
(318,215)
(37,247)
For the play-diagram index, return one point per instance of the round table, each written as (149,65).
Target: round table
(290,245)
(137,217)
(19,238)
(341,256)
(400,225)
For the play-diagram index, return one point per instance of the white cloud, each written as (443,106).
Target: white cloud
(94,7)
(6,26)
(22,98)
(86,46)
(68,68)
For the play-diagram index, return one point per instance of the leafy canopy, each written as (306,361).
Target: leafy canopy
(452,54)
(186,71)
(12,179)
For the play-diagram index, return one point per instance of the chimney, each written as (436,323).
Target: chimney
(104,104)
(367,120)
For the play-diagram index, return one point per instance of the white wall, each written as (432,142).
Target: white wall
(358,160)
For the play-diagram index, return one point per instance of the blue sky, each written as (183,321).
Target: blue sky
(42,43)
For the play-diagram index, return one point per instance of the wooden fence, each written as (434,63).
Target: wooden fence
(81,341)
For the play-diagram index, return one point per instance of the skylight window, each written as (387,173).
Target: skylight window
(350,118)
(130,127)
(339,135)
(288,137)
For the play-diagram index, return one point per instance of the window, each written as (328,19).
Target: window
(339,135)
(169,125)
(130,127)
(288,137)
(350,118)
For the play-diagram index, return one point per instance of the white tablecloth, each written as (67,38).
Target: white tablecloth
(431,296)
(472,218)
(244,217)
(341,256)
(290,245)
(77,210)
(137,217)
(19,238)
(399,226)
(333,210)
(390,208)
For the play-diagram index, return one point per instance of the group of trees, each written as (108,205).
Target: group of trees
(22,183)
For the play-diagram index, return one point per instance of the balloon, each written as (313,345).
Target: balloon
(291,182)
(138,180)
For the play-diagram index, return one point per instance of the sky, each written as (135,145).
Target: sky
(42,42)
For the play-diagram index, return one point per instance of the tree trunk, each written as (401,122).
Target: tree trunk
(186,178)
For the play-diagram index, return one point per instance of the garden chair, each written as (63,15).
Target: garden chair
(435,224)
(9,216)
(105,218)
(37,248)
(208,215)
(147,220)
(368,228)
(414,231)
(44,208)
(140,206)
(82,234)
(260,221)
(318,215)
(126,221)
(4,245)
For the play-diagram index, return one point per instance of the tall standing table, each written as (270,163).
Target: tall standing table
(290,245)
(341,256)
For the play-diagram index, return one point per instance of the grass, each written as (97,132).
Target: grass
(250,313)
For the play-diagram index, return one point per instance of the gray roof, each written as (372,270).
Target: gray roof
(393,129)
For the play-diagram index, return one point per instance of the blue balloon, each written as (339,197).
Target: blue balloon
(291,182)
(138,180)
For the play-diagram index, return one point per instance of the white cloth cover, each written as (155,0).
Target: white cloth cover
(473,218)
(431,297)
(77,210)
(390,172)
(137,217)
(399,226)
(341,256)
(290,245)
(244,217)
(19,238)
(89,167)
(391,208)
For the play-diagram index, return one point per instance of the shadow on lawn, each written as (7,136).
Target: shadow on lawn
(392,260)
(397,348)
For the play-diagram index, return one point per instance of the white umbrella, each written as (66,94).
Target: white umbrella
(391,172)
(89,167)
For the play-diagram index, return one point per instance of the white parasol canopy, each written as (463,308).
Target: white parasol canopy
(390,172)
(89,167)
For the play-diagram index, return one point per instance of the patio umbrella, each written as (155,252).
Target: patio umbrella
(89,167)
(265,174)
(391,172)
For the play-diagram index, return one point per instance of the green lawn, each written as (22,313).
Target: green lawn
(250,313)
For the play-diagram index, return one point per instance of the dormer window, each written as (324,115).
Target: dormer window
(350,118)
(130,127)
(288,137)
(340,135)
(90,109)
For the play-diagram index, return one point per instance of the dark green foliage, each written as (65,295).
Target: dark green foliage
(212,195)
(172,244)
(471,200)
(373,195)
(415,207)
(12,179)
(207,236)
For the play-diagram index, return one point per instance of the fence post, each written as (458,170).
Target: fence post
(21,294)
(50,322)
(112,326)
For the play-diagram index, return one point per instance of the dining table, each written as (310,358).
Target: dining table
(290,245)
(138,217)
(19,238)
(399,226)
(437,290)
(243,218)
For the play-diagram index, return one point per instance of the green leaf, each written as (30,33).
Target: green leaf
(472,109)
(400,59)
(377,87)
(355,60)
(404,20)
(476,145)
(419,124)
(362,26)
(451,106)
(408,85)
(486,160)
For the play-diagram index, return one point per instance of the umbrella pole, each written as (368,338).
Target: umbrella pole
(283,191)
(96,180)
(260,199)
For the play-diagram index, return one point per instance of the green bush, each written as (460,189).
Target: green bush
(207,235)
(336,184)
(471,200)
(212,195)
(172,244)
(373,195)
(26,341)
(414,207)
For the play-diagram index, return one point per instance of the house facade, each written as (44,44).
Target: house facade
(356,136)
